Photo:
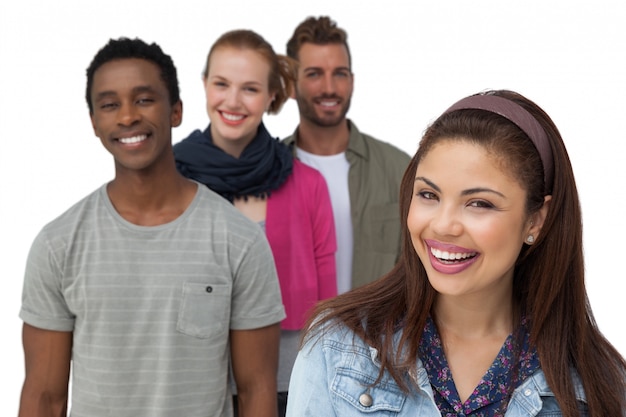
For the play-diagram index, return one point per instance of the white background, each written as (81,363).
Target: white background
(411,60)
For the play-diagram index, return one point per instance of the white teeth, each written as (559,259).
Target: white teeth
(328,103)
(451,256)
(134,139)
(232,117)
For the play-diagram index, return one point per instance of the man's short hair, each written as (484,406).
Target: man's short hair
(318,31)
(124,48)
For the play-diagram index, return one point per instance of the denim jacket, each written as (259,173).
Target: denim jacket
(332,374)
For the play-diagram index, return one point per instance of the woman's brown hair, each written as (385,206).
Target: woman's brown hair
(548,282)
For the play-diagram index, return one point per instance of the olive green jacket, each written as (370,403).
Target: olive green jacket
(376,170)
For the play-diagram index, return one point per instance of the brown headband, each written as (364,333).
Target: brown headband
(521,118)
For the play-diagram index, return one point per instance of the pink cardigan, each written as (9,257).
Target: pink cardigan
(301,232)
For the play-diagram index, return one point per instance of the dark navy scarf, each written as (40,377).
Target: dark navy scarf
(263,166)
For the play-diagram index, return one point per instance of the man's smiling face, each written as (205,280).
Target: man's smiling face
(132,114)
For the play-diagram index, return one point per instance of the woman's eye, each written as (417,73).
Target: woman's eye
(427,195)
(480,204)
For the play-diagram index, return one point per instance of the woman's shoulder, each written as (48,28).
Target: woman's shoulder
(536,395)
(190,147)
(304,171)
(332,331)
(309,182)
(304,181)
(335,338)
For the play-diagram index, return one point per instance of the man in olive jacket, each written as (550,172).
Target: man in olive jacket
(363,173)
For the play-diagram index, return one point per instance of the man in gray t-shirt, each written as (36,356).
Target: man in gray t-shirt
(148,285)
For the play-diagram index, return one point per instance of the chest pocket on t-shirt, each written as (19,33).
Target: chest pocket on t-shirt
(204,310)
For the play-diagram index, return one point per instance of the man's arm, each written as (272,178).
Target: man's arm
(254,356)
(47,356)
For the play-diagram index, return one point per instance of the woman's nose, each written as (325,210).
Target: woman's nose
(232,98)
(446,221)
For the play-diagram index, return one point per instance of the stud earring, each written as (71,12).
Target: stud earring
(530,239)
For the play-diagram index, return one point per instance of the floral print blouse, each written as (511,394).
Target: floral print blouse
(492,394)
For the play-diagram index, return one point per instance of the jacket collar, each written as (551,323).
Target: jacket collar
(356,143)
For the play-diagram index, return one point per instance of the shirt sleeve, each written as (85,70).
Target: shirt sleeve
(43,302)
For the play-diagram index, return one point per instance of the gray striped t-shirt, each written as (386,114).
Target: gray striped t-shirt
(150,308)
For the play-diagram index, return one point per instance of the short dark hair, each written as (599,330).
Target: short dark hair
(318,31)
(124,48)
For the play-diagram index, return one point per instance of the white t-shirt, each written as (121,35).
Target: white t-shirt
(335,169)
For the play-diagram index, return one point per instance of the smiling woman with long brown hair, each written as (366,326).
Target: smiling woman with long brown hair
(486,313)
